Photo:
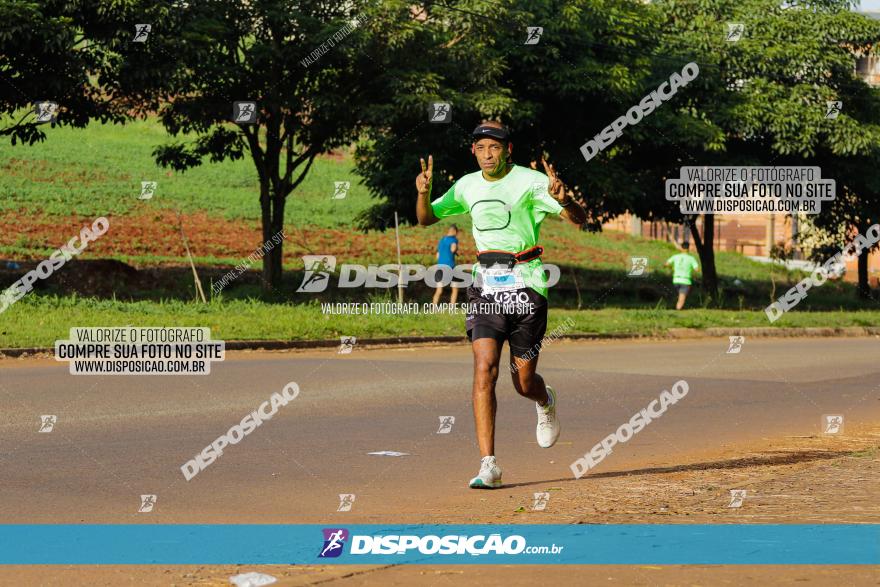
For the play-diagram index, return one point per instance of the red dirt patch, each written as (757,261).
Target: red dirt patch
(157,234)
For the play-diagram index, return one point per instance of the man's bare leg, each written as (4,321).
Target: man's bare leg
(487,355)
(529,384)
(526,380)
(680,304)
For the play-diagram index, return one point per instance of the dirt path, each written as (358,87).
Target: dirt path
(788,480)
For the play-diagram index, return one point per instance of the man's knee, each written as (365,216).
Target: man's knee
(522,380)
(486,368)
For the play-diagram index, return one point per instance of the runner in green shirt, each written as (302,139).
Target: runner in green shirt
(683,265)
(508,300)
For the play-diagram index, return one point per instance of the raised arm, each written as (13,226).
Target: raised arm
(571,210)
(424,212)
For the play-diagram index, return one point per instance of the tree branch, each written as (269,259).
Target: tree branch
(301,177)
(252,135)
(288,172)
(692,223)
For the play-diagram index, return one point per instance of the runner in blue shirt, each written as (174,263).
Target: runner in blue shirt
(446,251)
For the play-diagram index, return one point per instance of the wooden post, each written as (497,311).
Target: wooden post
(399,266)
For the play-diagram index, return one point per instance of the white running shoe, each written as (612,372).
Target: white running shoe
(489,477)
(548,424)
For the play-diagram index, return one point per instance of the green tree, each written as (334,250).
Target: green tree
(48,53)
(591,61)
(307,66)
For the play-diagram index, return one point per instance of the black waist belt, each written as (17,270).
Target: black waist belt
(489,258)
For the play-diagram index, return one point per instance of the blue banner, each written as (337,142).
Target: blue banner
(661,544)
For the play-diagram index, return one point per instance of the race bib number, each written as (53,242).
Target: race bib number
(497,279)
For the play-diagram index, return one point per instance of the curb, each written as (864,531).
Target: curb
(674,333)
(761,331)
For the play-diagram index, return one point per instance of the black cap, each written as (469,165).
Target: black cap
(484,130)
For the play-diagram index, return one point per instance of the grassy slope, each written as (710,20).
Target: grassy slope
(99,171)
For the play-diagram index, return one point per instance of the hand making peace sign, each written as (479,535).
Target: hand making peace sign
(556,188)
(423,180)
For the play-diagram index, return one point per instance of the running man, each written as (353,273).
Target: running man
(508,300)
(682,266)
(447,248)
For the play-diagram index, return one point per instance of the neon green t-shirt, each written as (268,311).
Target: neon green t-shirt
(682,267)
(506,214)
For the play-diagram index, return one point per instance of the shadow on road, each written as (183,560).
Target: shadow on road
(767,459)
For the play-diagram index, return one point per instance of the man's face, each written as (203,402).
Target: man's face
(491,155)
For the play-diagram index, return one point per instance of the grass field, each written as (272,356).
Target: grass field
(98,171)
(40,321)
(48,190)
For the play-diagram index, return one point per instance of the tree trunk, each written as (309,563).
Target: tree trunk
(706,252)
(275,255)
(272,216)
(864,285)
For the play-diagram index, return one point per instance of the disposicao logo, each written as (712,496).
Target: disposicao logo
(334,541)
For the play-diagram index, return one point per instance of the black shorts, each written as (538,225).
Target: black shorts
(519,317)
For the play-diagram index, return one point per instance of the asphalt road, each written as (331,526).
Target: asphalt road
(117,438)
